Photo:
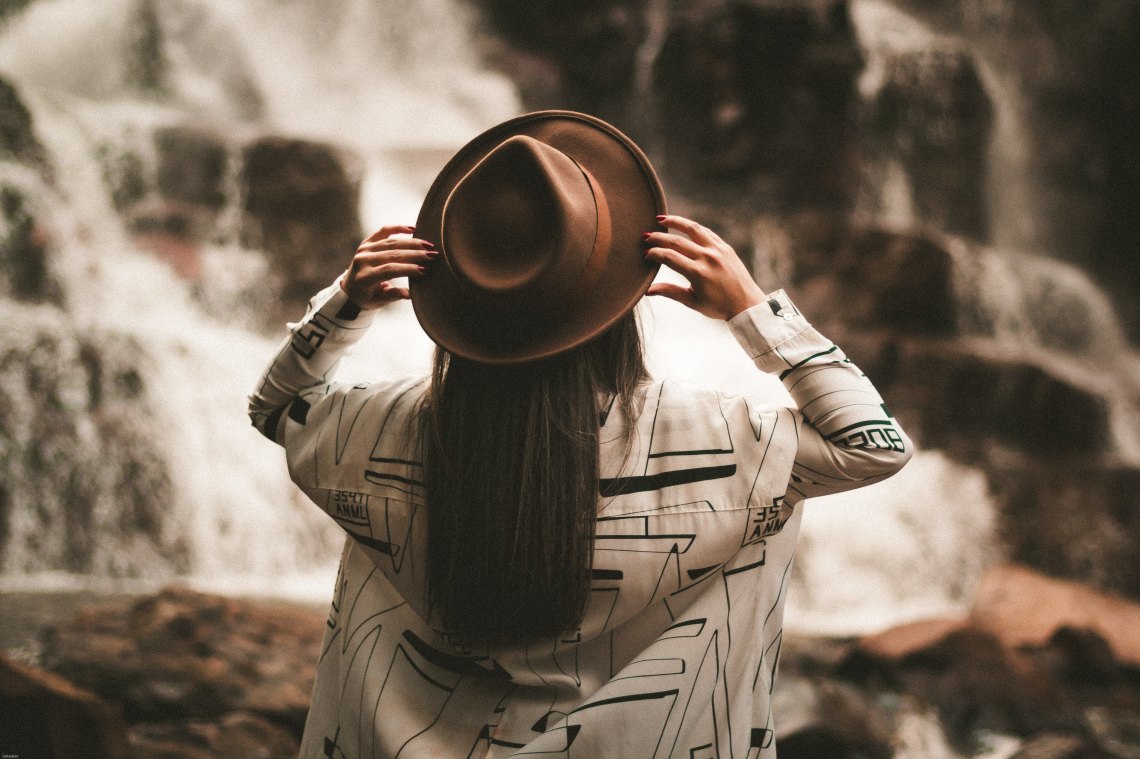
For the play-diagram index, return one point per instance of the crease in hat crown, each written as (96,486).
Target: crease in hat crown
(527,225)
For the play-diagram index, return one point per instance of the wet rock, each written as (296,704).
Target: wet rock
(300,200)
(84,485)
(1077,521)
(1025,608)
(1072,66)
(578,55)
(759,99)
(960,395)
(854,277)
(932,116)
(819,717)
(192,166)
(182,655)
(896,643)
(44,716)
(237,734)
(26,249)
(976,684)
(18,141)
(176,205)
(1055,746)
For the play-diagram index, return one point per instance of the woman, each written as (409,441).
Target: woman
(547,552)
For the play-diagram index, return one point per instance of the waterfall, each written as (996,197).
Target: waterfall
(396,84)
(401,86)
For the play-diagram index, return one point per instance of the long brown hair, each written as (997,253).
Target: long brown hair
(511,468)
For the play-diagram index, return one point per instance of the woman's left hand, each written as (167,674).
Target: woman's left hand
(720,285)
(381,258)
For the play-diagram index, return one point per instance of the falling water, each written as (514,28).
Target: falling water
(367,77)
(401,86)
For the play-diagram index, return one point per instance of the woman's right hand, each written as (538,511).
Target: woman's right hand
(381,258)
(720,285)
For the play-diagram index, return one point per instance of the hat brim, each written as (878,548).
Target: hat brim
(470,327)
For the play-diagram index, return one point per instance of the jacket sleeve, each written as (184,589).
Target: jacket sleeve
(306,359)
(847,437)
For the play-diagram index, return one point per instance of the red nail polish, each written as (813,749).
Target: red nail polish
(660,218)
(644,235)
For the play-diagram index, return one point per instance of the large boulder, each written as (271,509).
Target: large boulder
(1026,608)
(301,205)
(184,655)
(964,396)
(758,102)
(42,715)
(932,116)
(578,55)
(176,205)
(1077,521)
(976,684)
(857,277)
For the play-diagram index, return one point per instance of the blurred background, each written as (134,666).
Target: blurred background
(947,188)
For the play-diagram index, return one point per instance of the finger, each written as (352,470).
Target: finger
(680,244)
(676,261)
(399,293)
(389,292)
(384,272)
(697,232)
(410,243)
(399,255)
(683,295)
(389,230)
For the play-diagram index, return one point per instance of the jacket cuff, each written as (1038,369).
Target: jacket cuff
(765,326)
(333,304)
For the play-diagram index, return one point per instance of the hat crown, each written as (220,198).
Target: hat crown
(539,222)
(523,225)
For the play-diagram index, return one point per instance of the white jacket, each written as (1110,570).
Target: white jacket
(677,653)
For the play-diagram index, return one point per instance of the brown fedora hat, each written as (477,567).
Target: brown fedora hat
(538,222)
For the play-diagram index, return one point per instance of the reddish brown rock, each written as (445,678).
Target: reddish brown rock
(187,655)
(43,715)
(974,681)
(1025,608)
(896,643)
(238,734)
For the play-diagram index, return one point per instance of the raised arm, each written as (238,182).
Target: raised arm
(336,318)
(846,436)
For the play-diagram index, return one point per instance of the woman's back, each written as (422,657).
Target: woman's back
(593,562)
(695,531)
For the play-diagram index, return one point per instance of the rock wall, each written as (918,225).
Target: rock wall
(86,483)
(860,172)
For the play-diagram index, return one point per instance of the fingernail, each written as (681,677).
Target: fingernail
(433,254)
(429,245)
(660,218)
(644,235)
